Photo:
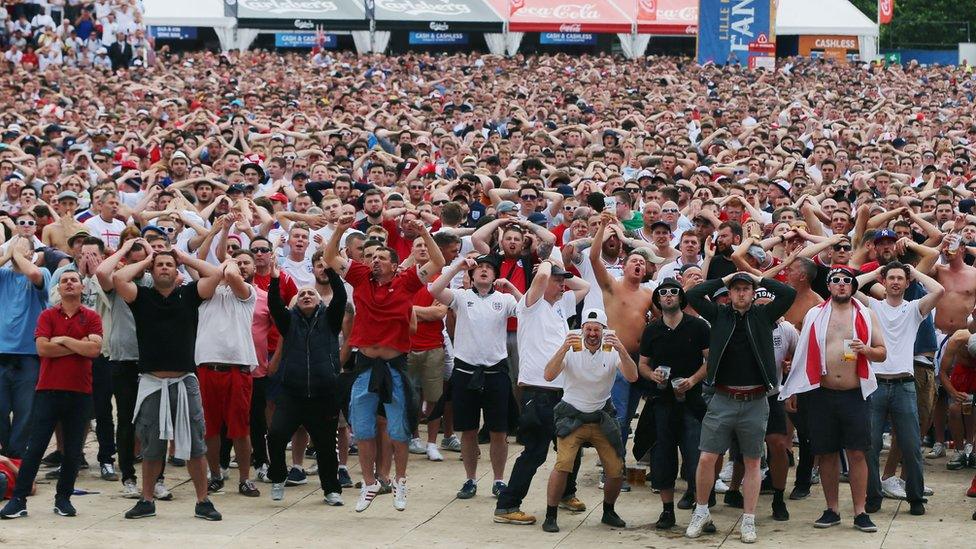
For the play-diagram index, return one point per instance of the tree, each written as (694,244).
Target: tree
(926,24)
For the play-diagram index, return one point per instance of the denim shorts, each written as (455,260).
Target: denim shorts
(363,406)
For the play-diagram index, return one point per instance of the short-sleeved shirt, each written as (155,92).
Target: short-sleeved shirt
(288,291)
(224,331)
(22,303)
(430,333)
(542,329)
(166,328)
(382,310)
(899,325)
(261,326)
(122,342)
(588,378)
(681,348)
(482,325)
(69,372)
(108,231)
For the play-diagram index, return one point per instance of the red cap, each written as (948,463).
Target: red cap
(129,165)
(278,197)
(141,152)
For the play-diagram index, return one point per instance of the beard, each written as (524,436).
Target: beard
(671,309)
(841,299)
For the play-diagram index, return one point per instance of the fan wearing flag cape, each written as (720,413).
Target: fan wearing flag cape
(839,340)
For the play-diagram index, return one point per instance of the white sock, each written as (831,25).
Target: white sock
(701,509)
(343,467)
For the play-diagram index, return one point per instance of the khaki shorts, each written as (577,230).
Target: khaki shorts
(567,448)
(925,394)
(426,372)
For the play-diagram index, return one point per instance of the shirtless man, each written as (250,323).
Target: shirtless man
(800,275)
(837,388)
(958,375)
(56,234)
(626,303)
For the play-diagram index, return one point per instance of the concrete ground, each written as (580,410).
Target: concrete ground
(434,517)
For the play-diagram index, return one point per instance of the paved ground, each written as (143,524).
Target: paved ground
(435,517)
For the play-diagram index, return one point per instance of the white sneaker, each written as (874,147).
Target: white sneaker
(926,491)
(417,447)
(277,491)
(938,450)
(726,474)
(747,531)
(892,488)
(261,473)
(334,499)
(400,494)
(433,454)
(130,490)
(366,495)
(720,486)
(224,473)
(313,468)
(160,492)
(886,441)
(698,523)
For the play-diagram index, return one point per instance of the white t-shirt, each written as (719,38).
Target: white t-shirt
(301,271)
(542,329)
(224,329)
(594,298)
(588,378)
(899,325)
(785,338)
(108,231)
(481,327)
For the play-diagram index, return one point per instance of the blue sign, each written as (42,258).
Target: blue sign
(438,38)
(303,40)
(568,38)
(173,33)
(736,31)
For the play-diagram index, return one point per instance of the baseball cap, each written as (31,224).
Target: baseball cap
(278,197)
(559,271)
(784,185)
(660,223)
(741,277)
(235,188)
(179,154)
(720,292)
(594,315)
(885,233)
(537,218)
(76,236)
(506,206)
(67,195)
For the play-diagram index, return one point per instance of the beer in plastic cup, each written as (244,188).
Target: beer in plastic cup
(578,345)
(674,385)
(849,354)
(666,370)
(607,347)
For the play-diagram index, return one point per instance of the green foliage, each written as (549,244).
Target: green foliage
(929,24)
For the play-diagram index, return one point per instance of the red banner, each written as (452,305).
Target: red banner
(514,6)
(886,10)
(596,16)
(647,10)
(667,17)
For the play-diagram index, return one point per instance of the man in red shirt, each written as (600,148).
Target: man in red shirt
(381,331)
(68,337)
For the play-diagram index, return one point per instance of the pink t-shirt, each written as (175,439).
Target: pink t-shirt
(260,327)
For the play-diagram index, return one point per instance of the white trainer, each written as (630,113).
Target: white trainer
(400,494)
(277,491)
(747,531)
(938,450)
(433,454)
(334,499)
(417,447)
(366,495)
(130,490)
(720,486)
(160,491)
(892,488)
(726,473)
(698,523)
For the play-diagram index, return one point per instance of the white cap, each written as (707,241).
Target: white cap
(594,315)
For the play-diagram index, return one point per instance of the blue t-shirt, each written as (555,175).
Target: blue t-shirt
(22,302)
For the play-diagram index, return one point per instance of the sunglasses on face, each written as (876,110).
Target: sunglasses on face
(234,247)
(168,229)
(957,173)
(842,247)
(529,197)
(260,250)
(570,208)
(664,292)
(27,223)
(752,191)
(841,280)
(440,202)
(417,187)
(669,210)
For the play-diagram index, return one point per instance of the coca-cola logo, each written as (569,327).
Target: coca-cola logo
(648,5)
(423,7)
(570,27)
(572,12)
(285,6)
(688,14)
(439,27)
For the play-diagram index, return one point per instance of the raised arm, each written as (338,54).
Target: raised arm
(603,277)
(539,283)
(436,263)
(480,238)
(105,269)
(276,306)
(556,364)
(934,289)
(335,261)
(210,275)
(336,310)
(122,280)
(439,289)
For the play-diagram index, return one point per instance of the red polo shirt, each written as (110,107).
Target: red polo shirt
(382,310)
(288,291)
(70,372)
(430,333)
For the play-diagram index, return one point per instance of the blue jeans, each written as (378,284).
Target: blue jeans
(363,405)
(896,402)
(18,378)
(625,397)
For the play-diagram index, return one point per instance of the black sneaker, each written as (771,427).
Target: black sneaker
(344,479)
(142,509)
(468,490)
(550,525)
(687,501)
(63,507)
(665,521)
(205,510)
(799,493)
(17,507)
(872,506)
(177,462)
(52,460)
(917,508)
(53,474)
(780,512)
(216,484)
(733,498)
(827,519)
(863,523)
(310,452)
(611,518)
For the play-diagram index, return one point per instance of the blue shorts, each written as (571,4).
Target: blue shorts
(364,404)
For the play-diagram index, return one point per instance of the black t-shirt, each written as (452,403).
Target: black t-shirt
(739,366)
(720,267)
(680,348)
(166,328)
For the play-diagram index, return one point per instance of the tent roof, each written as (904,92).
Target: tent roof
(438,15)
(301,14)
(186,13)
(571,16)
(671,17)
(822,17)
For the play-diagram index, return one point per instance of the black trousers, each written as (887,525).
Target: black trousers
(804,466)
(320,417)
(125,386)
(50,408)
(538,432)
(259,422)
(102,402)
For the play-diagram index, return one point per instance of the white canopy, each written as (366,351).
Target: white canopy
(822,17)
(187,13)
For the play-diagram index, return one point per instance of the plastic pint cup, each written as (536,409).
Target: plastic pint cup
(849,354)
(680,397)
(577,345)
(666,371)
(607,347)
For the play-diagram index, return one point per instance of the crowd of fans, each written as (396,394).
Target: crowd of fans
(288,250)
(88,34)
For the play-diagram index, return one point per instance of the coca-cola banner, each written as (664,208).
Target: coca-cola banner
(569,16)
(444,15)
(669,17)
(739,32)
(301,15)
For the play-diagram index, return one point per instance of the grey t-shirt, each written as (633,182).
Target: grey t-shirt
(122,342)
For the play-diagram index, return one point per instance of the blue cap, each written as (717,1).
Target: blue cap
(885,233)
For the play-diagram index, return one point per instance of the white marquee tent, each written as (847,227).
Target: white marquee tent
(840,17)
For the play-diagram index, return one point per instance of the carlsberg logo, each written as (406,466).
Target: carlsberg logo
(422,7)
(285,6)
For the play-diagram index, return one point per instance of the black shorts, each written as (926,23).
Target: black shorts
(493,399)
(838,420)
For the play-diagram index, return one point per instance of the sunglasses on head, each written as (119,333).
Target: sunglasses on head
(668,291)
(260,250)
(841,280)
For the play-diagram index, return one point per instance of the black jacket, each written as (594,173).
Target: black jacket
(310,344)
(760,319)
